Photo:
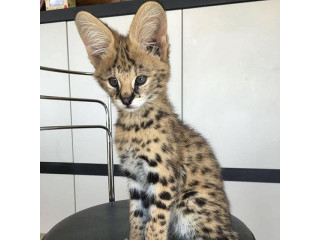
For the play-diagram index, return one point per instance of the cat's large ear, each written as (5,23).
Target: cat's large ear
(149,30)
(96,36)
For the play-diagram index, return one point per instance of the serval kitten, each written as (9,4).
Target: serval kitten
(173,176)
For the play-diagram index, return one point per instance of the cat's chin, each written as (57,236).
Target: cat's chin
(136,105)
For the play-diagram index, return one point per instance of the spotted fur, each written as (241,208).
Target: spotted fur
(173,176)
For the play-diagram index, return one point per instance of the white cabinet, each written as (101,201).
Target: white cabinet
(231,95)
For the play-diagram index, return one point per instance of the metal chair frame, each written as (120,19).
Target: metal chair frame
(107,128)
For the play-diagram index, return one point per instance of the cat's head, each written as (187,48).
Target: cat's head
(132,69)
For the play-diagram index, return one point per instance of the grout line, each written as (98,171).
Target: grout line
(182,65)
(72,146)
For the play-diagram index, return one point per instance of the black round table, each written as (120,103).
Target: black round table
(110,221)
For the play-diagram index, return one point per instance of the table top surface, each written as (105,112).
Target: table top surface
(111,221)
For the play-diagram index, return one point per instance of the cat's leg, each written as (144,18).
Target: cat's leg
(203,214)
(158,202)
(137,213)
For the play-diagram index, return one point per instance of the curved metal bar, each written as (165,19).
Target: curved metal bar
(106,108)
(65,71)
(110,152)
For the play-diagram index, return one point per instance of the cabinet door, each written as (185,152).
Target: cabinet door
(90,145)
(231,95)
(57,191)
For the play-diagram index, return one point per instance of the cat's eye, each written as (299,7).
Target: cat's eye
(113,82)
(140,80)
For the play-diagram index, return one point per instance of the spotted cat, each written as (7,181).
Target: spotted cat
(173,176)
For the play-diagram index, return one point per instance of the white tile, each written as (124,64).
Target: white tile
(231,80)
(93,190)
(258,206)
(56,199)
(175,40)
(55,145)
(53,45)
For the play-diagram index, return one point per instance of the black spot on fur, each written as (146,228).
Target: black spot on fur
(161,205)
(199,157)
(164,148)
(171,179)
(161,216)
(164,181)
(165,195)
(189,194)
(158,158)
(160,114)
(156,140)
(181,204)
(162,223)
(153,163)
(193,183)
(145,158)
(187,211)
(205,170)
(129,175)
(134,194)
(147,124)
(206,230)
(153,178)
(173,189)
(213,194)
(200,201)
(138,213)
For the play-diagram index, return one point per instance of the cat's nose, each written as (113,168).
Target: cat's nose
(127,99)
